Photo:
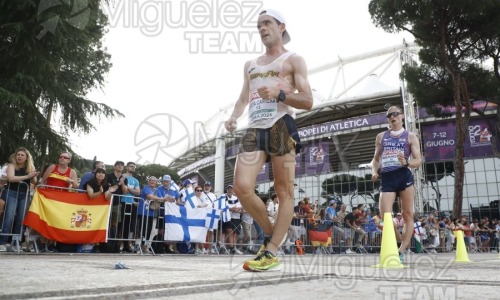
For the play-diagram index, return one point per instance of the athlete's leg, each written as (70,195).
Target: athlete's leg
(284,175)
(407,201)
(248,165)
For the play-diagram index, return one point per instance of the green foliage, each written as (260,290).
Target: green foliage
(144,171)
(51,58)
(345,184)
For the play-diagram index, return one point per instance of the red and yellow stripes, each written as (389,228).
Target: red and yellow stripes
(69,217)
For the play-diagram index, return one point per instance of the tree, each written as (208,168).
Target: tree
(144,171)
(346,184)
(450,34)
(52,56)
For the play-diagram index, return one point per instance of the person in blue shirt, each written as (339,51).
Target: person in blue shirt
(168,192)
(90,174)
(144,213)
(129,202)
(331,216)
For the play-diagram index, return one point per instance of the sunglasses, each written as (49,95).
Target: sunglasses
(198,190)
(393,114)
(65,157)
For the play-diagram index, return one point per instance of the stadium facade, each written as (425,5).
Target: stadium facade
(338,137)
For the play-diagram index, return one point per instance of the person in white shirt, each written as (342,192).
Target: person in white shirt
(233,228)
(209,198)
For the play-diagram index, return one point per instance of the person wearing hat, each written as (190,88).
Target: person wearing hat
(331,216)
(183,192)
(168,192)
(208,197)
(275,84)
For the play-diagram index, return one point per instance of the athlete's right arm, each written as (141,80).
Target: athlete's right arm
(241,103)
(376,157)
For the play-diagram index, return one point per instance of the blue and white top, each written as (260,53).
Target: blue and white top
(391,146)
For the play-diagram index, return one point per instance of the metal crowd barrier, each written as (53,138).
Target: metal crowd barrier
(14,210)
(125,225)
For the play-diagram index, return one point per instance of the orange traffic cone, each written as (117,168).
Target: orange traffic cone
(389,255)
(461,255)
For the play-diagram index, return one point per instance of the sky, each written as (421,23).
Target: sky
(178,63)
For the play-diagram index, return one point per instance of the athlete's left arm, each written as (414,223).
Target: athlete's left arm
(303,98)
(416,157)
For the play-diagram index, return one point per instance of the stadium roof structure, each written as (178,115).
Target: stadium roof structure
(354,86)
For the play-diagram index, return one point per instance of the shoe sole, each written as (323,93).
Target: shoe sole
(274,267)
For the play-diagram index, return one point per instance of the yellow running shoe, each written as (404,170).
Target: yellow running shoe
(261,250)
(264,262)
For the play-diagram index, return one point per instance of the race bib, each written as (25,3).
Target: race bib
(390,158)
(260,109)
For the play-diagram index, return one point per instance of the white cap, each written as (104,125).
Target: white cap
(278,16)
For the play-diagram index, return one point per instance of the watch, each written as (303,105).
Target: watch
(406,164)
(281,96)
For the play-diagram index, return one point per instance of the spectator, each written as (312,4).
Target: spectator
(209,198)
(3,190)
(449,227)
(352,229)
(299,214)
(497,234)
(272,208)
(200,203)
(90,174)
(484,232)
(432,228)
(331,216)
(116,179)
(20,174)
(186,184)
(168,192)
(128,211)
(232,228)
(61,175)
(374,228)
(145,213)
(98,186)
(246,223)
(400,223)
(271,213)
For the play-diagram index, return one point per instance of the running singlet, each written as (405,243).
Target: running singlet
(264,113)
(391,146)
(56,178)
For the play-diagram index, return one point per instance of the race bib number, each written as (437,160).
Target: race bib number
(390,158)
(260,109)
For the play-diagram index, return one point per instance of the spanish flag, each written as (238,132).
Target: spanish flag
(68,217)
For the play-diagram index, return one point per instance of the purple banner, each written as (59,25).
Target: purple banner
(341,125)
(440,140)
(298,163)
(317,159)
(263,175)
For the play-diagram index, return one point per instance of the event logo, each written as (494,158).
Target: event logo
(81,219)
(159,138)
(208,26)
(51,13)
